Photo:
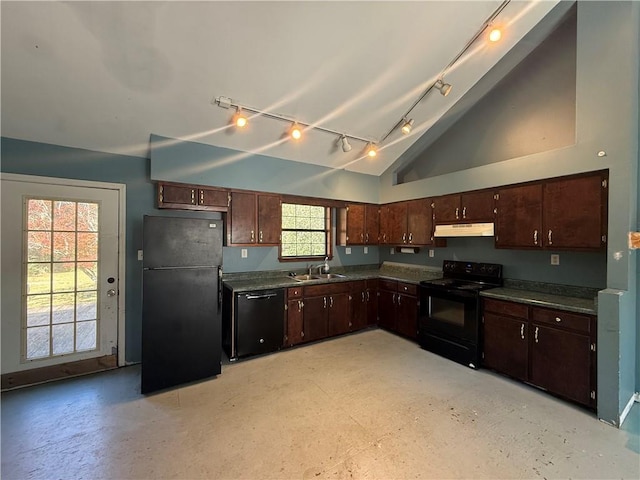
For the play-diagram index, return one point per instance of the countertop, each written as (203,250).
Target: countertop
(544,299)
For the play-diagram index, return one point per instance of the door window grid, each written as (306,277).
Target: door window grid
(61,272)
(305,231)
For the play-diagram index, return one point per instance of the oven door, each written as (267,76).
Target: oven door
(449,313)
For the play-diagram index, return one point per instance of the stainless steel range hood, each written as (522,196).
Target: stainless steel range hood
(465,230)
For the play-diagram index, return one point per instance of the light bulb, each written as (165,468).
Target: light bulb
(295,132)
(406,128)
(372,152)
(495,34)
(241,121)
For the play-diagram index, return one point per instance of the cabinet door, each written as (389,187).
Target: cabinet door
(384,236)
(477,206)
(339,313)
(407,315)
(519,217)
(387,309)
(506,345)
(269,219)
(355,224)
(446,209)
(397,223)
(315,318)
(419,222)
(371,224)
(561,362)
(575,213)
(173,196)
(358,303)
(371,295)
(242,218)
(213,197)
(294,322)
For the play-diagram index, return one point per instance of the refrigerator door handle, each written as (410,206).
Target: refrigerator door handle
(256,297)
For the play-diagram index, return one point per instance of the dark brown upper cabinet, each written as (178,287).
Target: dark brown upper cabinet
(407,223)
(464,207)
(358,224)
(254,219)
(519,217)
(192,197)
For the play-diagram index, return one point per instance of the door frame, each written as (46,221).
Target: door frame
(122,219)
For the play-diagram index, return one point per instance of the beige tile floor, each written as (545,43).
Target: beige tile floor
(368,405)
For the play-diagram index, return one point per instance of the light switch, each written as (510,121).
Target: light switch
(347,250)
(392,251)
(243,253)
(366,250)
(555,259)
(432,252)
(140,255)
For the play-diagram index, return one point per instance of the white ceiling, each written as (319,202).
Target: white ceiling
(105,75)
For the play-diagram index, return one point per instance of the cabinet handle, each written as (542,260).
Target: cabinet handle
(393,299)
(410,237)
(522,331)
(457,213)
(366,238)
(535,237)
(368,295)
(399,297)
(193,196)
(404,238)
(260,235)
(301,334)
(330,302)
(201,197)
(464,212)
(362,297)
(253,236)
(299,305)
(550,242)
(558,319)
(536,335)
(362,237)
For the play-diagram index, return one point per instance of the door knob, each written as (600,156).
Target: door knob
(111,292)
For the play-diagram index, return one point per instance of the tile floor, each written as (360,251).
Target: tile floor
(368,405)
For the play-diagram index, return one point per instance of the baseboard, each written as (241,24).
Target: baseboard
(634,398)
(57,372)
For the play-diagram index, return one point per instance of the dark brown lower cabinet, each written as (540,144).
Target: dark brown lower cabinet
(295,326)
(339,315)
(316,325)
(398,307)
(551,349)
(386,308)
(358,300)
(371,296)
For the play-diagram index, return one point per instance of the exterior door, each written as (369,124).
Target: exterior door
(61,289)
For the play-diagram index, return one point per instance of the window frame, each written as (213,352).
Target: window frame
(328,232)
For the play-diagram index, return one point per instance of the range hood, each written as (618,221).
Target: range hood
(465,230)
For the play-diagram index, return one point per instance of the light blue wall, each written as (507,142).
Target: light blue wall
(606,120)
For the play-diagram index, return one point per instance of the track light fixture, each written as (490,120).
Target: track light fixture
(495,34)
(295,132)
(239,119)
(372,151)
(408,125)
(346,146)
(444,88)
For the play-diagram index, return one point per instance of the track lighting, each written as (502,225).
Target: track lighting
(444,88)
(346,146)
(495,34)
(239,119)
(408,125)
(371,150)
(295,132)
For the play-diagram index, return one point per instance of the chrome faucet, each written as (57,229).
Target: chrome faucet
(320,266)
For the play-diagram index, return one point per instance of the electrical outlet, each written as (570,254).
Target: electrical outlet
(243,253)
(555,259)
(432,252)
(140,255)
(347,250)
(366,250)
(392,251)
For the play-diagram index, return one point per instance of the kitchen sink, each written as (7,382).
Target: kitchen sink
(323,276)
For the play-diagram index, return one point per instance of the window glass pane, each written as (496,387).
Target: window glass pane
(37,342)
(38,308)
(288,237)
(63,339)
(87,275)
(317,223)
(303,210)
(87,246)
(288,222)
(88,217)
(305,230)
(303,223)
(317,249)
(62,307)
(64,216)
(288,210)
(38,247)
(64,277)
(318,237)
(86,335)
(288,249)
(64,246)
(87,306)
(39,214)
(38,278)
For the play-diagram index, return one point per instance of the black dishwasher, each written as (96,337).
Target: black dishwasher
(257,323)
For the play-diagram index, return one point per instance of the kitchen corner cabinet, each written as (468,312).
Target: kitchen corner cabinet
(464,208)
(407,223)
(363,303)
(358,224)
(191,197)
(548,348)
(254,219)
(398,307)
(564,213)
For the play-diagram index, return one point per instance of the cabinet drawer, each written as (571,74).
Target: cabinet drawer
(408,288)
(384,284)
(294,292)
(330,289)
(358,285)
(574,321)
(513,309)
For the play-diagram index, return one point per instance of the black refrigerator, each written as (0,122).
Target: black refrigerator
(181,326)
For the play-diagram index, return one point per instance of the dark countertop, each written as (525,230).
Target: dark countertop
(541,299)
(394,271)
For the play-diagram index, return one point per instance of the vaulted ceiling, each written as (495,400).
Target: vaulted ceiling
(105,75)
